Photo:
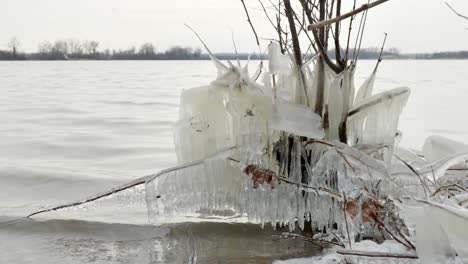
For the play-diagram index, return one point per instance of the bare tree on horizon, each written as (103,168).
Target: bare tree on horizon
(14,44)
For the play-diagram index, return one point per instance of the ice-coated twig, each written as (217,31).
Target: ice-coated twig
(346,220)
(420,177)
(256,39)
(313,240)
(448,188)
(251,168)
(408,244)
(376,254)
(134,183)
(218,63)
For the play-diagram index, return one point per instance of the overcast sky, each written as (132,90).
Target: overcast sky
(413,25)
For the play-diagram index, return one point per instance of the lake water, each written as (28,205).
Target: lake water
(72,129)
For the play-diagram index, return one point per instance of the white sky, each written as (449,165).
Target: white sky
(413,25)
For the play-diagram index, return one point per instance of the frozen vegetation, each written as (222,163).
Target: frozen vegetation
(298,145)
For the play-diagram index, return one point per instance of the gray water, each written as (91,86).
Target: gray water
(72,129)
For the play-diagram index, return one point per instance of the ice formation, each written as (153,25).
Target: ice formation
(267,121)
(437,147)
(374,121)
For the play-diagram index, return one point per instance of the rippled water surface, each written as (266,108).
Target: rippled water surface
(72,129)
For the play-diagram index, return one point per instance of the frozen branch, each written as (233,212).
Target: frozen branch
(137,182)
(96,197)
(376,254)
(313,240)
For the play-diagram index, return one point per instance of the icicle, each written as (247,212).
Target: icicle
(335,108)
(366,88)
(347,89)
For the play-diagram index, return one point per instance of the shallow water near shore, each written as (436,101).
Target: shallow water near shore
(75,128)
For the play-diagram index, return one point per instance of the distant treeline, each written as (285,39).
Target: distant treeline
(89,50)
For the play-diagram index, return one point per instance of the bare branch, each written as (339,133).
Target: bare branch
(381,50)
(364,7)
(337,36)
(296,46)
(266,14)
(321,48)
(250,22)
(349,33)
(455,11)
(292,26)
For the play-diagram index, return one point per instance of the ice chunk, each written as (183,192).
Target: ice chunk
(438,147)
(433,245)
(444,236)
(278,63)
(297,119)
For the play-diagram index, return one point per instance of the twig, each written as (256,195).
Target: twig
(381,50)
(302,25)
(360,35)
(455,11)
(266,14)
(337,36)
(404,237)
(382,226)
(349,33)
(94,198)
(423,183)
(332,193)
(323,54)
(364,7)
(256,38)
(346,219)
(212,56)
(250,22)
(310,239)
